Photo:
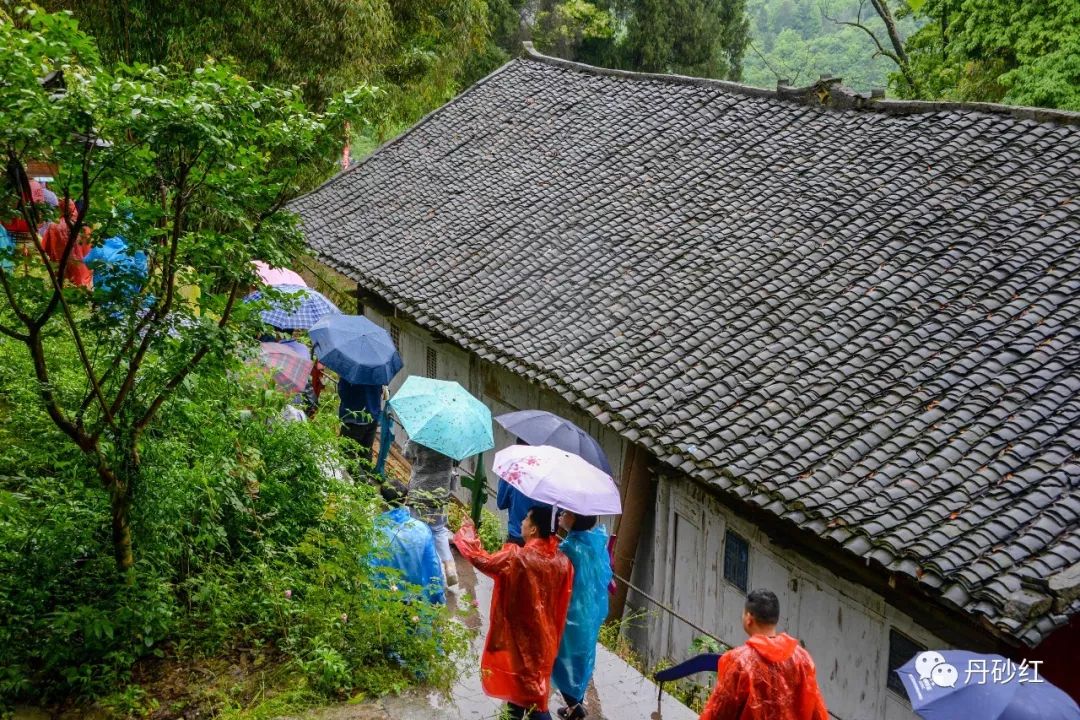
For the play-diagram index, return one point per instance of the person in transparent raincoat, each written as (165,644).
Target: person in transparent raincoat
(586,546)
(407,544)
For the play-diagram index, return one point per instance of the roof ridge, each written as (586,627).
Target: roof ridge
(809,95)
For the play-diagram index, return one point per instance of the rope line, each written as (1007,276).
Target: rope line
(724,647)
(668,609)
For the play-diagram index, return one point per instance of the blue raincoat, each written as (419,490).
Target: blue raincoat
(7,250)
(588,608)
(411,549)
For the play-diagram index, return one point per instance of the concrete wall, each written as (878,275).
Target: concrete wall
(844,626)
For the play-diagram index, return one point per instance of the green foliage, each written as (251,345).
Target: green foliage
(695,37)
(421,51)
(491,532)
(192,168)
(691,37)
(799,40)
(245,542)
(996,50)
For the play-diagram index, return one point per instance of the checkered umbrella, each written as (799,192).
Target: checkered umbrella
(289,369)
(298,309)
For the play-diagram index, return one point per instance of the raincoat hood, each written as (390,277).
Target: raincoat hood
(774,649)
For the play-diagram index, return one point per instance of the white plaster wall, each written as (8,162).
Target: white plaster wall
(499,389)
(844,626)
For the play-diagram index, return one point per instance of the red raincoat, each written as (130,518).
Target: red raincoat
(56,239)
(528,611)
(768,678)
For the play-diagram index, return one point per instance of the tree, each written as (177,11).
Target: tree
(694,37)
(421,52)
(573,28)
(1024,53)
(193,168)
(887,41)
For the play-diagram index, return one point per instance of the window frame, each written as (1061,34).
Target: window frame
(728,535)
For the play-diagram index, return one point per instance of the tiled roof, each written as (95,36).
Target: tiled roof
(866,322)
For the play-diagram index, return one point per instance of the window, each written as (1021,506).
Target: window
(736,560)
(901,649)
(395,335)
(432,363)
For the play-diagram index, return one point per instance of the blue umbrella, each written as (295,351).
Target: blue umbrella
(961,685)
(443,416)
(538,427)
(298,309)
(116,270)
(355,348)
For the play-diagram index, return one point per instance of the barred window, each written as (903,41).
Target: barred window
(901,649)
(395,335)
(432,363)
(736,560)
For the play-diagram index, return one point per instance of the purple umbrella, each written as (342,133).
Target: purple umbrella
(538,427)
(556,477)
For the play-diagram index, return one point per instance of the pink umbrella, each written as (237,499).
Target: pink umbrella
(556,477)
(289,369)
(278,276)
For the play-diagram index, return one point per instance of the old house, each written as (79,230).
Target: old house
(831,344)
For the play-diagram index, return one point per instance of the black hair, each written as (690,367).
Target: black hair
(764,606)
(583,522)
(541,518)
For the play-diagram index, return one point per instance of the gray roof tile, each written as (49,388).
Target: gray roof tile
(868,323)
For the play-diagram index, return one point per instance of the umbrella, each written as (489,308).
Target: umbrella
(289,368)
(278,276)
(443,416)
(961,685)
(355,348)
(553,476)
(538,427)
(299,309)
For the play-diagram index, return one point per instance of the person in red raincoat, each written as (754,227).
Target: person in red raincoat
(56,239)
(528,612)
(771,677)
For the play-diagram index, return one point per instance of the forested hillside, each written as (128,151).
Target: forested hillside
(801,39)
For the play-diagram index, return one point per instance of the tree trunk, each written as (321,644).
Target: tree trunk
(120,482)
(120,497)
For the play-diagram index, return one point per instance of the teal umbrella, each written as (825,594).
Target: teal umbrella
(443,416)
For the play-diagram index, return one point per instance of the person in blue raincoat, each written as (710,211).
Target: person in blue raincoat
(407,544)
(586,546)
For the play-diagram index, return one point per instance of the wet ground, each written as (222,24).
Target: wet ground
(618,691)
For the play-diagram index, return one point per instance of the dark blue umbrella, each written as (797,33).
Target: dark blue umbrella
(538,427)
(355,348)
(961,685)
(706,662)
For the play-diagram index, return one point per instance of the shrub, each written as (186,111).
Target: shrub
(245,542)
